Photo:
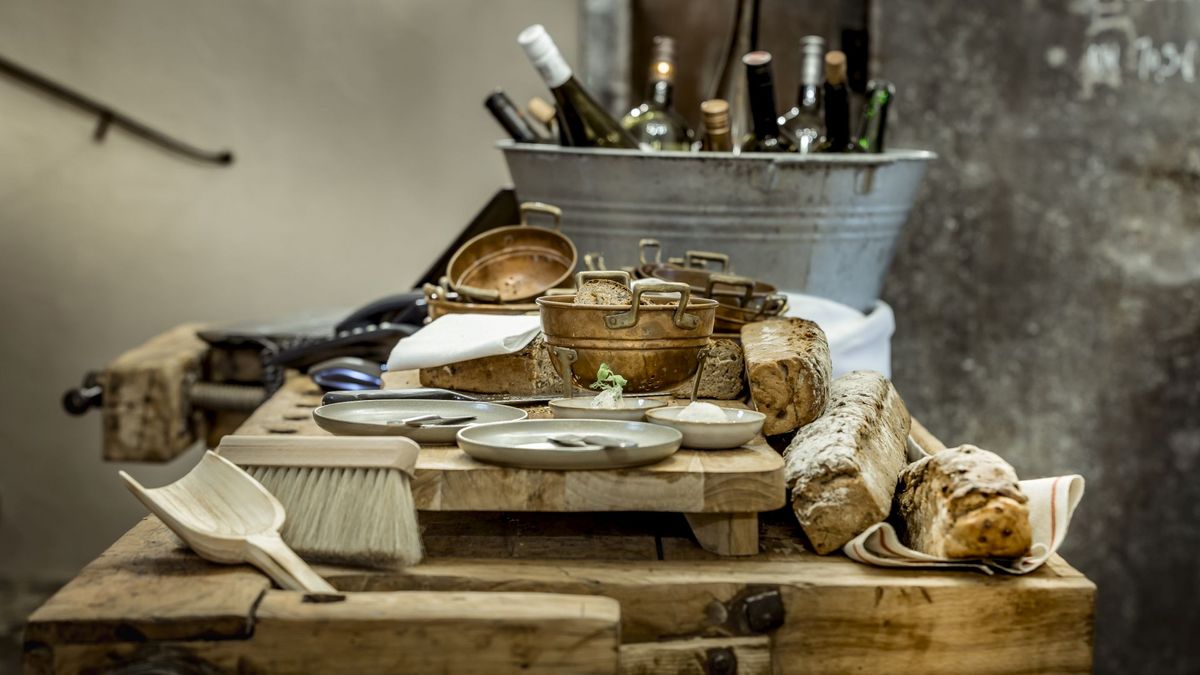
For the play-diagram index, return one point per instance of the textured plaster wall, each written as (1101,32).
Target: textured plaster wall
(362,148)
(1047,290)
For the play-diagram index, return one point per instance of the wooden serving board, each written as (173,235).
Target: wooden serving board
(720,491)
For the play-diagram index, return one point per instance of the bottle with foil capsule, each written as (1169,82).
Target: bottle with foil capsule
(655,124)
(760,89)
(511,118)
(803,121)
(717,134)
(837,104)
(581,120)
(873,127)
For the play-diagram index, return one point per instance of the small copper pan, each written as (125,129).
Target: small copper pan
(514,263)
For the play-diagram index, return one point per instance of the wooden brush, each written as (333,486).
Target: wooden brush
(348,499)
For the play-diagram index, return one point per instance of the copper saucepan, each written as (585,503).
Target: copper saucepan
(654,346)
(514,263)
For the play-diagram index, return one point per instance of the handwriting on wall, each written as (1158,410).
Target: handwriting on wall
(1115,51)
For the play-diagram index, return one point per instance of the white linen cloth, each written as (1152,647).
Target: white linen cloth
(1052,502)
(857,341)
(462,337)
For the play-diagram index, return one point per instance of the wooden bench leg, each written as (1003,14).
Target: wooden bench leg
(726,533)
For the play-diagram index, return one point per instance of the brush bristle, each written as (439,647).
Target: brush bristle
(346,516)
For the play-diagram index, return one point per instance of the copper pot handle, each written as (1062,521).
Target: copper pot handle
(701,258)
(594,261)
(564,357)
(541,207)
(482,294)
(629,319)
(619,276)
(645,244)
(731,281)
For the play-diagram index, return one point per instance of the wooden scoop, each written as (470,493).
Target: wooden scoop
(226,516)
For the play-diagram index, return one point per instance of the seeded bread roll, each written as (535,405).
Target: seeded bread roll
(963,503)
(724,375)
(603,292)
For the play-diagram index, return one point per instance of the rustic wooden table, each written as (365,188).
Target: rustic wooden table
(603,592)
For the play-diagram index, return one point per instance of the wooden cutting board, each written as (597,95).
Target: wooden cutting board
(721,491)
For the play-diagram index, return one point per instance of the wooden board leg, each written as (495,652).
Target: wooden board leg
(726,533)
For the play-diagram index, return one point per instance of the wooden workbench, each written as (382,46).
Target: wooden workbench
(558,592)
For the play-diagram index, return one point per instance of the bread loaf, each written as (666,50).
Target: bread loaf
(787,364)
(842,468)
(724,375)
(529,372)
(603,292)
(963,503)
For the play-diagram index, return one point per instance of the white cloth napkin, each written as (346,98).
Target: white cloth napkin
(1052,502)
(462,337)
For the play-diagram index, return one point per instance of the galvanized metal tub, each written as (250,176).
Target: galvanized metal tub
(826,225)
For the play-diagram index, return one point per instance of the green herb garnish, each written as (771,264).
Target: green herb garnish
(606,380)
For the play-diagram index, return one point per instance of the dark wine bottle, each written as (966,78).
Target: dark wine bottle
(717,134)
(874,118)
(760,89)
(655,124)
(837,104)
(803,121)
(511,118)
(581,120)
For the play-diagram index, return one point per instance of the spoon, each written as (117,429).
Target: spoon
(603,442)
(431,420)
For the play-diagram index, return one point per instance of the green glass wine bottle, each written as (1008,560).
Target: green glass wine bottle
(803,121)
(581,120)
(874,117)
(655,124)
(760,89)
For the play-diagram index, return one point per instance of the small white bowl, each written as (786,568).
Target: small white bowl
(631,410)
(739,428)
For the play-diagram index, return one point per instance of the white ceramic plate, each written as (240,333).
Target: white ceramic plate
(370,418)
(632,409)
(739,428)
(523,444)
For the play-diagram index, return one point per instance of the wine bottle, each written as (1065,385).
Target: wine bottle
(874,117)
(837,104)
(803,121)
(581,121)
(760,89)
(717,135)
(511,118)
(544,113)
(730,83)
(655,124)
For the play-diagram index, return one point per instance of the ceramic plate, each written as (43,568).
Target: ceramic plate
(632,409)
(739,428)
(370,418)
(523,444)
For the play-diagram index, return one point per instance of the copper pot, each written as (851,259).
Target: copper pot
(514,263)
(654,346)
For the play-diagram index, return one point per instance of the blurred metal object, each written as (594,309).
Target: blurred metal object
(605,53)
(826,225)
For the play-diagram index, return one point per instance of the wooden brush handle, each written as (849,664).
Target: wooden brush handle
(268,553)
(367,452)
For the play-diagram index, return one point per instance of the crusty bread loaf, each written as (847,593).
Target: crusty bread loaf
(724,375)
(603,292)
(842,468)
(787,363)
(963,503)
(529,372)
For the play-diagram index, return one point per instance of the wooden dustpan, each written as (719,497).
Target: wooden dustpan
(226,516)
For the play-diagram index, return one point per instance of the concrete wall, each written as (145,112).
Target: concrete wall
(362,147)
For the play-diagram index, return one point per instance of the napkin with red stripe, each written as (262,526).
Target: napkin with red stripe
(1052,502)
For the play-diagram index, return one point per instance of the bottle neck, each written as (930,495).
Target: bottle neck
(761,92)
(660,93)
(545,56)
